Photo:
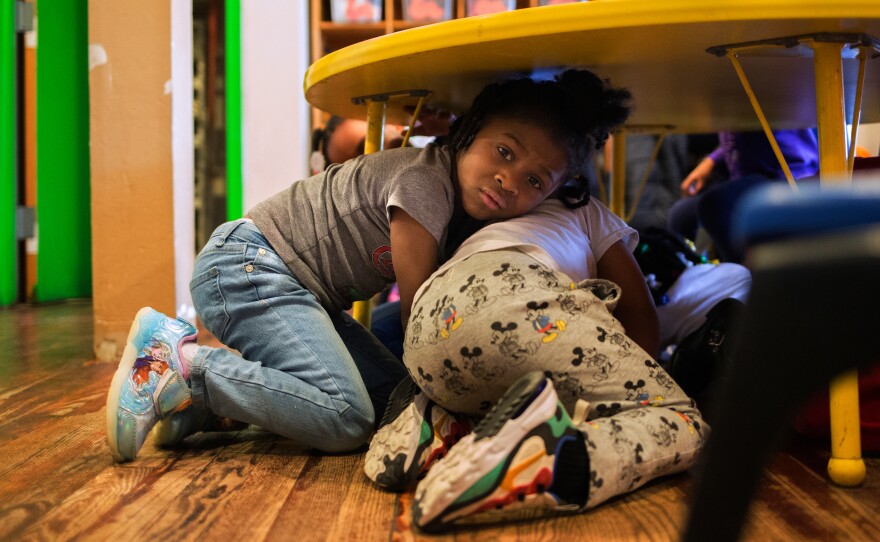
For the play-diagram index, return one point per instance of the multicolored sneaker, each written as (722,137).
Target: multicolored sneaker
(525,459)
(149,383)
(414,434)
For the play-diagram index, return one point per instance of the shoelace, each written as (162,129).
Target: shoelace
(581,410)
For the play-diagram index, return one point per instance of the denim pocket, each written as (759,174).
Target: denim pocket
(267,260)
(270,276)
(209,301)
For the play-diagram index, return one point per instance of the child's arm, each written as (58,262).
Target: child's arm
(636,309)
(414,255)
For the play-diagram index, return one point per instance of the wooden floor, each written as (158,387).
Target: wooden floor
(58,481)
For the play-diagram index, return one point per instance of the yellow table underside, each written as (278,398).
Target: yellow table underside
(656,49)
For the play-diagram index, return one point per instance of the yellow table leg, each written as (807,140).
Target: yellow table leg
(374,141)
(846,466)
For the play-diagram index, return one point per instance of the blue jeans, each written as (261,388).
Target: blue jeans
(386,326)
(311,376)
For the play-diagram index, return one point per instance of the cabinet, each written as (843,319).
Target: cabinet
(327,35)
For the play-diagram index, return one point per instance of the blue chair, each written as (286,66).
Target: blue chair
(813,314)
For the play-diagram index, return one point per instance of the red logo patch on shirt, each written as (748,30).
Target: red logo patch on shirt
(382,261)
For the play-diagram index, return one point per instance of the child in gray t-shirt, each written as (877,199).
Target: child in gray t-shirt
(275,285)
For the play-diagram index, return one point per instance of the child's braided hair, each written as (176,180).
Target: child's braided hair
(578,109)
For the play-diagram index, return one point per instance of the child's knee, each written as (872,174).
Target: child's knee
(352,430)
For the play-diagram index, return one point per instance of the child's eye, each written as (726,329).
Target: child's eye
(534,181)
(504,152)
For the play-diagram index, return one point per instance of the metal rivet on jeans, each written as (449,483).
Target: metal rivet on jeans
(249,268)
(261,252)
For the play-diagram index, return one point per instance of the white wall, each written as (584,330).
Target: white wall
(869,138)
(181,88)
(275,114)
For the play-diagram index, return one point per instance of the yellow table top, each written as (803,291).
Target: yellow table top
(656,48)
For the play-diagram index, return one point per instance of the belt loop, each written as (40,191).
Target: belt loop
(229,228)
(221,239)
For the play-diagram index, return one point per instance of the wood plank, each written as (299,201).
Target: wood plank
(795,502)
(58,481)
(50,450)
(366,512)
(260,495)
(315,501)
(188,494)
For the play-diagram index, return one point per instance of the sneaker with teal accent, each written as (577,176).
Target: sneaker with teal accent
(526,459)
(150,382)
(414,433)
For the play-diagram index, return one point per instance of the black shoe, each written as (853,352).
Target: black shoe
(703,356)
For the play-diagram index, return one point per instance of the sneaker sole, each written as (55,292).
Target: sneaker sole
(129,355)
(454,487)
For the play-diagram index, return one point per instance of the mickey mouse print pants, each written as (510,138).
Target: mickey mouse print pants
(497,315)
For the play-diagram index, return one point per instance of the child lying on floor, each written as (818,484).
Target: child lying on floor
(585,412)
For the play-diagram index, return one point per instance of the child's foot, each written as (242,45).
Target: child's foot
(149,383)
(524,459)
(414,433)
(172,430)
(701,359)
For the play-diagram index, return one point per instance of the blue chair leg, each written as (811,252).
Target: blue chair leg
(809,317)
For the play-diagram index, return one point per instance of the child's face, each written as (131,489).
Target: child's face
(509,168)
(347,141)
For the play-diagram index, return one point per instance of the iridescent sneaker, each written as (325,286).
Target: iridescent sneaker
(525,459)
(414,434)
(149,383)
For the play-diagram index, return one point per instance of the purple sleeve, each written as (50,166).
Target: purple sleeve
(717,155)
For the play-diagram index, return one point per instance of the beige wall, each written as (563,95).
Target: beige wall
(131,164)
(142,145)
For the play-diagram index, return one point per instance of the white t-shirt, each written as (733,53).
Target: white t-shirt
(698,289)
(568,240)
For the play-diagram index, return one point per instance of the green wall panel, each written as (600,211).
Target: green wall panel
(8,152)
(63,200)
(234,186)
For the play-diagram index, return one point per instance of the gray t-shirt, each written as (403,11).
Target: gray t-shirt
(333,229)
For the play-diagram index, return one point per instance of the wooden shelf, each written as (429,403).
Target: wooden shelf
(338,35)
(404,25)
(328,36)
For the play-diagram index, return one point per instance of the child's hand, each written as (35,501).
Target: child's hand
(696,180)
(431,121)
